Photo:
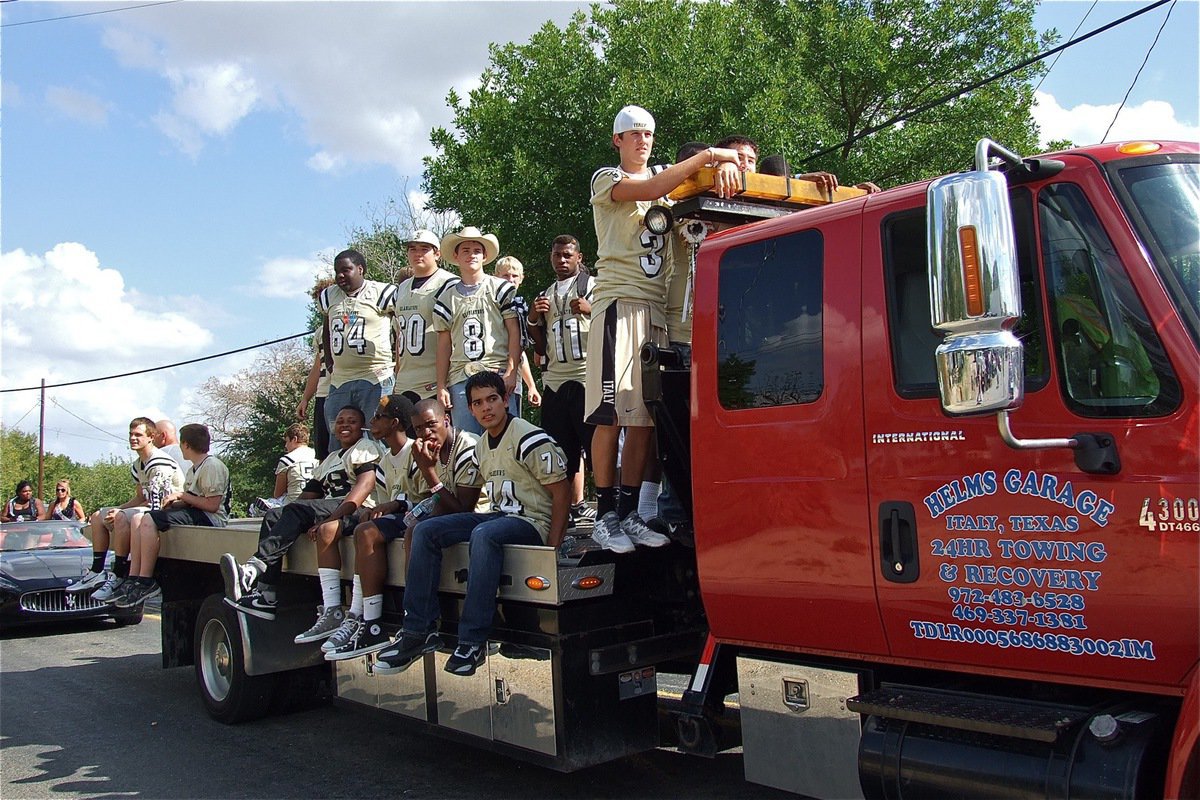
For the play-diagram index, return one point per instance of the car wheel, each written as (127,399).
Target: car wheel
(132,617)
(229,694)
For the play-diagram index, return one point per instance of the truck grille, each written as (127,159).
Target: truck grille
(57,601)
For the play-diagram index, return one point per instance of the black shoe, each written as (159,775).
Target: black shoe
(137,594)
(466,659)
(368,637)
(255,604)
(408,649)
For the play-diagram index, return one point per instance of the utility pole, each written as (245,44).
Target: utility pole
(42,440)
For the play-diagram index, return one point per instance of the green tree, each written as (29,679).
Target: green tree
(799,77)
(248,415)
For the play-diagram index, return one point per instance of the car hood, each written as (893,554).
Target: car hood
(30,565)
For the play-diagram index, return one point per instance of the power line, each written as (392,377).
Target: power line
(164,366)
(61,432)
(977,84)
(88,14)
(84,421)
(26,414)
(1050,68)
(1138,73)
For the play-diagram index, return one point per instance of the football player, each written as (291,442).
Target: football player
(476,324)
(357,338)
(416,340)
(342,484)
(526,480)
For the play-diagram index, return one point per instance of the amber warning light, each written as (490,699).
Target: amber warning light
(537,583)
(968,244)
(587,582)
(1138,148)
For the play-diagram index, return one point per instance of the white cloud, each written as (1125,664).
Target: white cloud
(133,49)
(1085,123)
(208,101)
(326,162)
(77,105)
(360,77)
(66,318)
(288,278)
(11,93)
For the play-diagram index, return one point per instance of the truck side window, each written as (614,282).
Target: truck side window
(1111,363)
(769,313)
(906,274)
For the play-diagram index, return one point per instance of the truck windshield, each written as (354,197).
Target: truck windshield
(1166,197)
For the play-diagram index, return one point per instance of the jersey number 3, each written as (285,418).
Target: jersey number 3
(652,261)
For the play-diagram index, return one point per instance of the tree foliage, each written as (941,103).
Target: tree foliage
(799,77)
(248,414)
(388,225)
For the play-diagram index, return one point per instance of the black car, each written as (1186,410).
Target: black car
(38,561)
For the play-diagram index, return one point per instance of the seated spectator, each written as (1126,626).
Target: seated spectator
(343,483)
(64,506)
(24,507)
(156,475)
(439,463)
(204,501)
(527,485)
(293,470)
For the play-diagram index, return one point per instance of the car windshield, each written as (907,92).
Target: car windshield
(52,535)
(1167,196)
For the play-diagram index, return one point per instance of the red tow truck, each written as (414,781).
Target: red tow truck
(939,448)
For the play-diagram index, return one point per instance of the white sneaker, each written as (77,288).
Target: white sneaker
(609,534)
(109,589)
(89,582)
(639,532)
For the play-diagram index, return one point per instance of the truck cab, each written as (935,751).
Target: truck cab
(849,515)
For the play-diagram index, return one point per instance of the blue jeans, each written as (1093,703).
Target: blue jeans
(487,534)
(460,411)
(363,395)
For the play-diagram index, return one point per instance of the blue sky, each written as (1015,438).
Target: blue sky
(171,177)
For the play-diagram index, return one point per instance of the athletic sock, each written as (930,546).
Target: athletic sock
(647,507)
(268,592)
(606,500)
(356,597)
(627,501)
(121,566)
(331,586)
(98,559)
(372,607)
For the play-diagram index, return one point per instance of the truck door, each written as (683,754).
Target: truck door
(779,485)
(990,558)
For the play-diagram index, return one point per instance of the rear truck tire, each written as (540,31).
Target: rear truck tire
(228,693)
(131,617)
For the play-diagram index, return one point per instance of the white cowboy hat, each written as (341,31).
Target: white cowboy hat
(491,245)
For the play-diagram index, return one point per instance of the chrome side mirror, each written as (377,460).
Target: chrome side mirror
(974,293)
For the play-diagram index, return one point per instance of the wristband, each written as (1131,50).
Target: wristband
(435,489)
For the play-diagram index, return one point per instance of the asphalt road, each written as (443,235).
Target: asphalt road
(87,711)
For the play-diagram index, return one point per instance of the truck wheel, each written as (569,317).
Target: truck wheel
(229,694)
